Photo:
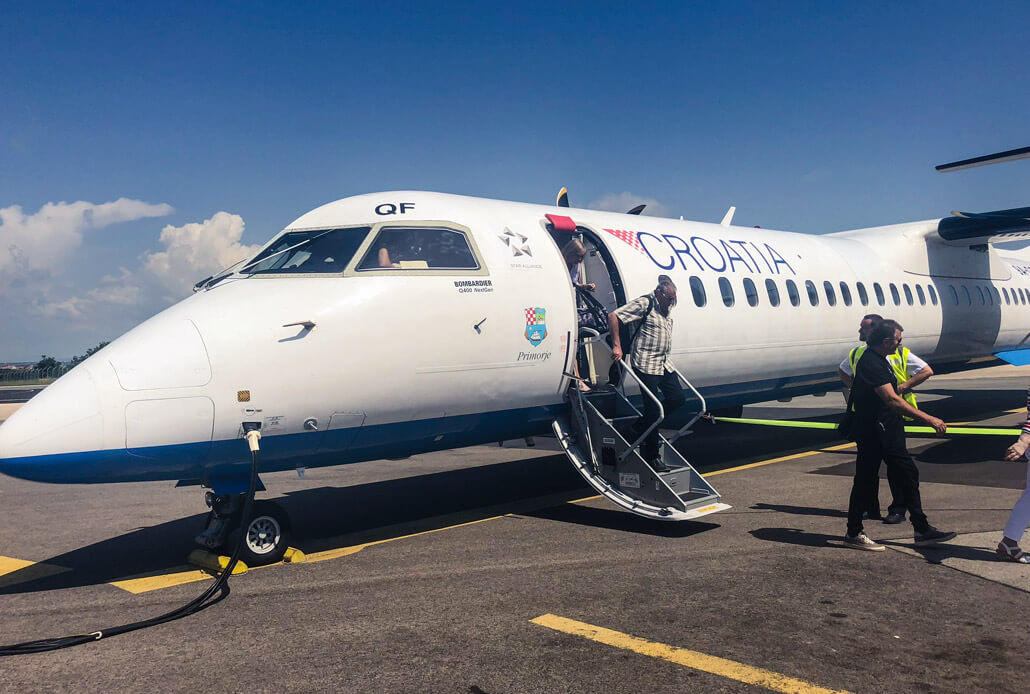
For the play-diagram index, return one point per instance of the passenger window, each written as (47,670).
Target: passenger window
(919,293)
(792,292)
(831,298)
(813,295)
(845,293)
(863,295)
(417,248)
(319,251)
(773,292)
(895,295)
(933,294)
(954,294)
(908,294)
(879,293)
(727,291)
(697,288)
(751,292)
(966,296)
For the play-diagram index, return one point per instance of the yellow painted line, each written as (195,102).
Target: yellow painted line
(785,458)
(803,454)
(354,549)
(148,583)
(681,656)
(10,565)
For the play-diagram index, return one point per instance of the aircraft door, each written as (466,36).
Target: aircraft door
(597,270)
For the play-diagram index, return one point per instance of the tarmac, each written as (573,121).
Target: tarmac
(494,569)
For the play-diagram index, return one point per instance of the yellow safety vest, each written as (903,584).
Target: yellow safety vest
(899,363)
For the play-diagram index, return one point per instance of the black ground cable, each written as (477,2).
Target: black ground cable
(220,586)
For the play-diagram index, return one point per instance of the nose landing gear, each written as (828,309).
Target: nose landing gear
(266,537)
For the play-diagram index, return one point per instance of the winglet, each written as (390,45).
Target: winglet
(729,216)
(637,210)
(563,197)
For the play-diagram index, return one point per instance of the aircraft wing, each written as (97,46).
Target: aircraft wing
(968,228)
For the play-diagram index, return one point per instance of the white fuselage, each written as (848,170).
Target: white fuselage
(407,359)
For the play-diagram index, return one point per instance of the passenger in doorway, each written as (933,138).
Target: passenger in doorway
(649,356)
(880,435)
(1019,519)
(910,371)
(574,252)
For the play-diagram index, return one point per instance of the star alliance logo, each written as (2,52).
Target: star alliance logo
(516,242)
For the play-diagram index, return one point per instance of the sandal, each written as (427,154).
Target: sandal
(1014,554)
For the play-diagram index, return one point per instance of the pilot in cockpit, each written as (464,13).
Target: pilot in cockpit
(403,248)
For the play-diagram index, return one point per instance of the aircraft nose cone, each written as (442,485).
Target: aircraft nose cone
(64,418)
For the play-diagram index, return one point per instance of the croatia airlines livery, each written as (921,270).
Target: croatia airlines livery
(390,324)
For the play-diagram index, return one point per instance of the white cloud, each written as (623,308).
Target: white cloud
(191,252)
(45,240)
(624,202)
(196,250)
(49,294)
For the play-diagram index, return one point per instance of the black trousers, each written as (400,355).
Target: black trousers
(672,398)
(897,504)
(876,445)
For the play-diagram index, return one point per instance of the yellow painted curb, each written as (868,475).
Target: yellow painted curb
(214,562)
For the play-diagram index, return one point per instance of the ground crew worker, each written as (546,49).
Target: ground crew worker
(880,435)
(650,359)
(910,371)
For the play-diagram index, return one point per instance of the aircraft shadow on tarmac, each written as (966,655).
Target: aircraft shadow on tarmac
(938,553)
(801,510)
(969,461)
(796,536)
(933,555)
(332,517)
(615,519)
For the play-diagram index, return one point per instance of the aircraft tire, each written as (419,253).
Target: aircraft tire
(266,537)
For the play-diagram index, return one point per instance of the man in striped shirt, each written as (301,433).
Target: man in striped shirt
(649,357)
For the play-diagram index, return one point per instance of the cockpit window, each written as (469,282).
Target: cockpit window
(319,251)
(419,248)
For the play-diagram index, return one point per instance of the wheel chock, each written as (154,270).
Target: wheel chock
(293,556)
(214,562)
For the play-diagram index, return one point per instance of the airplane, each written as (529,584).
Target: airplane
(389,324)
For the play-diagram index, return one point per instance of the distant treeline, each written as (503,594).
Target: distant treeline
(46,369)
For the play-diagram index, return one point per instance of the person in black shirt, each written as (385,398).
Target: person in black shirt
(880,435)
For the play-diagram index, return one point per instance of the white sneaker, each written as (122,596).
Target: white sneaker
(862,541)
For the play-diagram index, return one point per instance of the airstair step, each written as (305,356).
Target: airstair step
(599,440)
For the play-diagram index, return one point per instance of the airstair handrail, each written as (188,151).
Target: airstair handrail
(596,337)
(704,408)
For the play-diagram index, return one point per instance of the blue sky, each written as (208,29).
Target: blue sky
(808,116)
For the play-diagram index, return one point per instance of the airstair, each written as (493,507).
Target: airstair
(598,438)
